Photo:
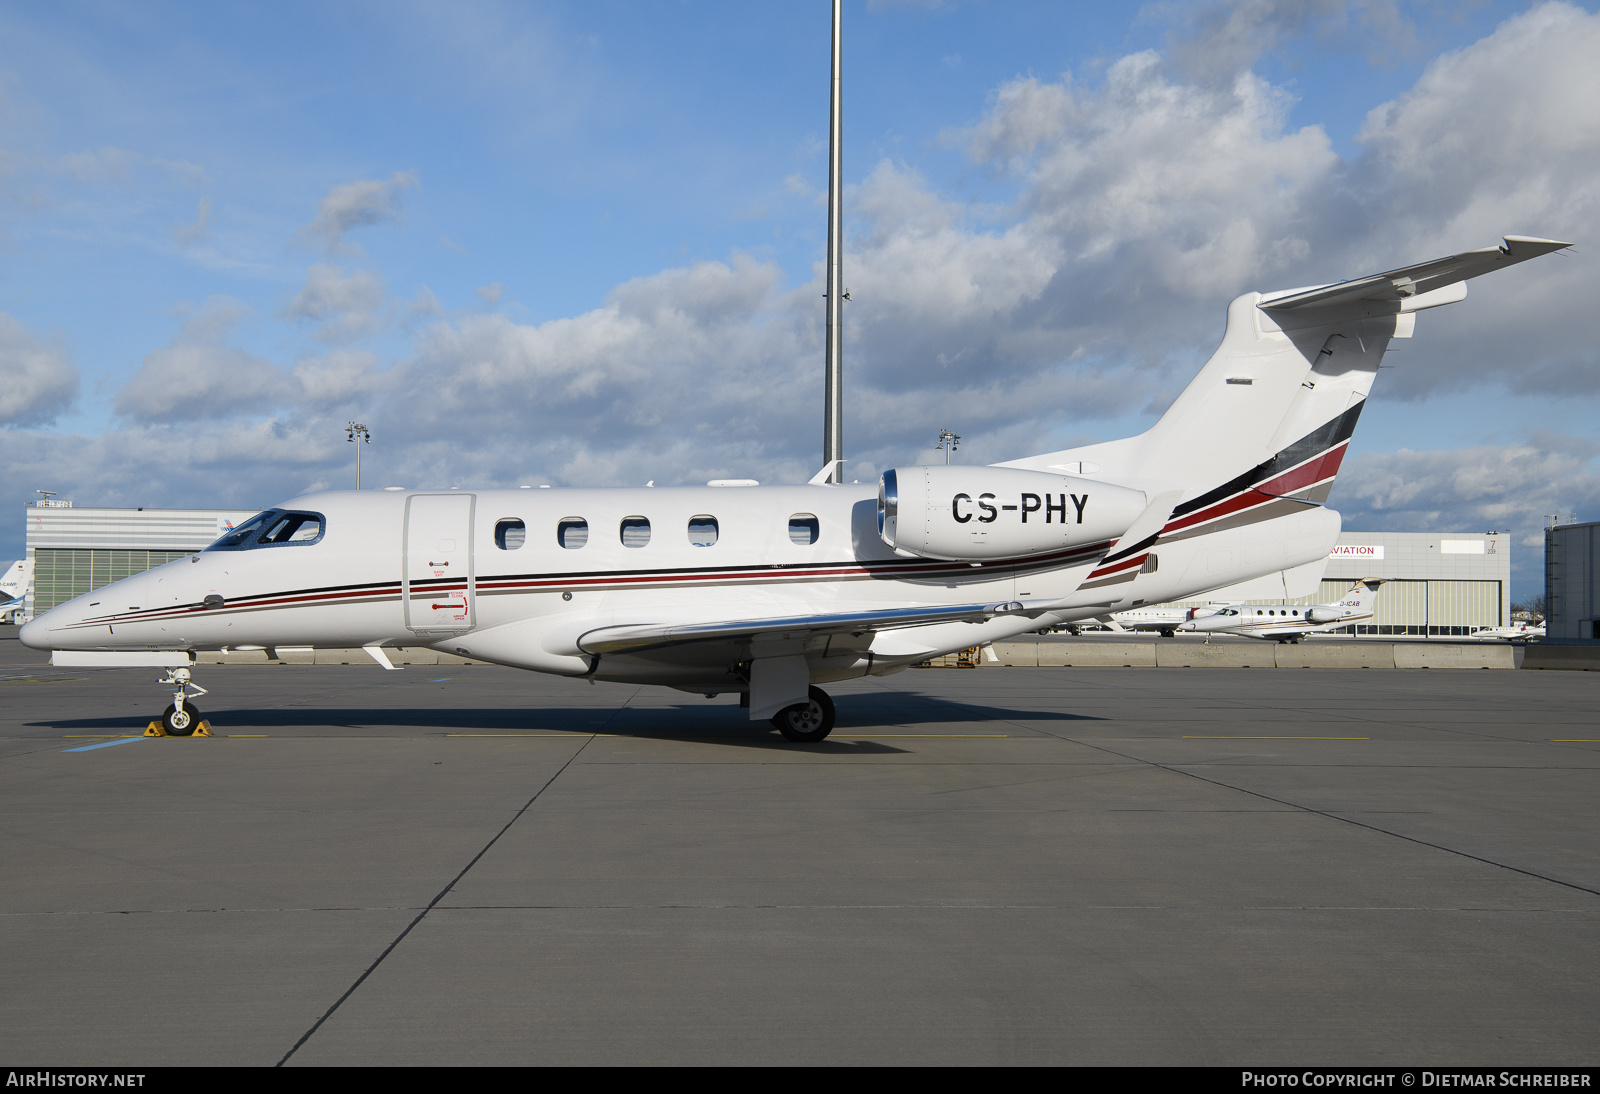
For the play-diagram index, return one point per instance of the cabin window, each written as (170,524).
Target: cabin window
(703,530)
(510,534)
(572,532)
(635,531)
(804,529)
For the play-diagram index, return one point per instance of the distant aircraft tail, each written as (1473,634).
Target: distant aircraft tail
(1362,597)
(14,583)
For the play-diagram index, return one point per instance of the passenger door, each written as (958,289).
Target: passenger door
(437,580)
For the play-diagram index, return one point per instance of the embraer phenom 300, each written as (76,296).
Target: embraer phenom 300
(768,591)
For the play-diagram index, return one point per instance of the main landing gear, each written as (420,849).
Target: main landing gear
(182,717)
(807,722)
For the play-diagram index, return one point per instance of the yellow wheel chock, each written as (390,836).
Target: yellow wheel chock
(154,729)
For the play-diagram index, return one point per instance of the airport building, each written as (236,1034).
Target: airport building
(1572,583)
(75,550)
(1438,584)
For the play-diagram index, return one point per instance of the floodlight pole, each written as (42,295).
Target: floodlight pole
(833,394)
(352,430)
(948,443)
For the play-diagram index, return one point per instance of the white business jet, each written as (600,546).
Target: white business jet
(1517,632)
(1291,622)
(767,591)
(1163,618)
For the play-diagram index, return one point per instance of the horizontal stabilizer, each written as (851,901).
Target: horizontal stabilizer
(1412,281)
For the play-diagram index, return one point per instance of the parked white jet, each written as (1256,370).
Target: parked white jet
(14,584)
(1291,622)
(1517,632)
(1163,618)
(767,591)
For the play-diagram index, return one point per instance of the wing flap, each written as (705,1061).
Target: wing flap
(1411,281)
(635,638)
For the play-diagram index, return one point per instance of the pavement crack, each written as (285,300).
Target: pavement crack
(401,937)
(1342,818)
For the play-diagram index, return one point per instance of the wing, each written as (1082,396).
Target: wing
(1411,281)
(636,638)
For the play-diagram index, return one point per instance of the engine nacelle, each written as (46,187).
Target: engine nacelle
(977,513)
(1324,614)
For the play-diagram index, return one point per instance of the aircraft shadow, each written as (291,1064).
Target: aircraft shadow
(720,724)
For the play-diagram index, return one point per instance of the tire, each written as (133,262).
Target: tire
(180,726)
(808,722)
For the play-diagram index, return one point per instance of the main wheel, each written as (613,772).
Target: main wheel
(180,723)
(807,722)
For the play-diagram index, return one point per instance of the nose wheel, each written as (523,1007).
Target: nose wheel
(180,721)
(807,722)
(181,718)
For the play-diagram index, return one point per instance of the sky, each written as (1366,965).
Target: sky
(582,243)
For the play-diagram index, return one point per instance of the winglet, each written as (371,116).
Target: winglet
(821,477)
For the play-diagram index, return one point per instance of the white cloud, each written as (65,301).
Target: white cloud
(199,377)
(37,380)
(338,379)
(1216,40)
(341,306)
(356,205)
(1509,488)
(188,234)
(491,293)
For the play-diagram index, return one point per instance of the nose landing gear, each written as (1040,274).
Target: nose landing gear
(181,718)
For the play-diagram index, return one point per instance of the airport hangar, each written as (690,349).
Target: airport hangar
(1439,584)
(1572,584)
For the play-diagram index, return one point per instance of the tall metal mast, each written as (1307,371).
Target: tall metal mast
(833,392)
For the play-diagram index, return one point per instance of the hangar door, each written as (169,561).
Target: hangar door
(1412,607)
(437,582)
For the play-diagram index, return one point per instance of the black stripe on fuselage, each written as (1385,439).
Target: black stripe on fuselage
(862,570)
(1319,440)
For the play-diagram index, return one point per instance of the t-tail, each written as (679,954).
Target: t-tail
(1260,434)
(1362,599)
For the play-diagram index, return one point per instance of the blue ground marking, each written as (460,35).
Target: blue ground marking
(104,744)
(442,680)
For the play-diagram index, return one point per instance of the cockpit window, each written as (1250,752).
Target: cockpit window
(275,527)
(236,538)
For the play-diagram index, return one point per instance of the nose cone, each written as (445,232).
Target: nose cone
(35,633)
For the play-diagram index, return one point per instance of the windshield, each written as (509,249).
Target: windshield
(273,528)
